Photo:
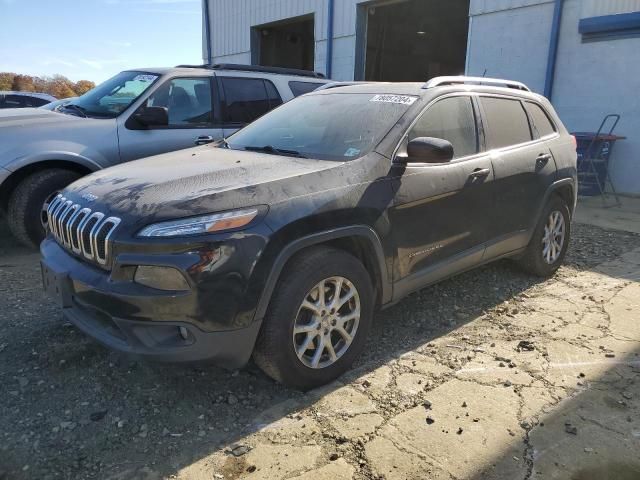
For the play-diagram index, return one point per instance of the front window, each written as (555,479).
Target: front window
(111,98)
(450,119)
(336,126)
(187,100)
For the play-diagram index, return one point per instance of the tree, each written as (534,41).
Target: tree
(83,86)
(58,85)
(6,80)
(23,83)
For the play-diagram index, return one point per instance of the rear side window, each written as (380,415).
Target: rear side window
(507,122)
(274,97)
(36,102)
(248,98)
(300,88)
(542,126)
(450,119)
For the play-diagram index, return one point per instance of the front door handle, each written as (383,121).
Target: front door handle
(204,139)
(480,173)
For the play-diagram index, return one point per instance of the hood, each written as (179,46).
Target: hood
(198,181)
(25,132)
(22,117)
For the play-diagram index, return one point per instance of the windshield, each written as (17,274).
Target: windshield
(338,126)
(112,97)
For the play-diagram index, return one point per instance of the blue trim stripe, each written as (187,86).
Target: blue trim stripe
(329,62)
(610,23)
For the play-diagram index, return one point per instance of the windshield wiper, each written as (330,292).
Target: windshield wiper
(75,108)
(275,151)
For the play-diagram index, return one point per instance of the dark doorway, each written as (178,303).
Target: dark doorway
(290,43)
(415,40)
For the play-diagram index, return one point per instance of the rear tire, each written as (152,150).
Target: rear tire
(548,246)
(289,325)
(26,203)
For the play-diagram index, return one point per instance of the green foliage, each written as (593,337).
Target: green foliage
(59,86)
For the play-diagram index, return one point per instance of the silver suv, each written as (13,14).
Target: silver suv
(137,113)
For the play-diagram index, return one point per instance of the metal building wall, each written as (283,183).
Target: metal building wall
(231,22)
(510,38)
(595,8)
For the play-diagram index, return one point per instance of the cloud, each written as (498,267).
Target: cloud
(100,64)
(57,61)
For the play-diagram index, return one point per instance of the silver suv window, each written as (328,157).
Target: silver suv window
(111,98)
(187,100)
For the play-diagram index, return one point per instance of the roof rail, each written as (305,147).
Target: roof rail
(495,82)
(257,68)
(330,85)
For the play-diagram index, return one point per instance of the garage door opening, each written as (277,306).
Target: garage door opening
(290,43)
(415,40)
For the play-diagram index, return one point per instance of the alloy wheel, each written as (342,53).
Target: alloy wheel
(326,323)
(553,238)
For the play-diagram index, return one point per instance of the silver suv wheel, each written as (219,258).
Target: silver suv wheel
(553,238)
(44,219)
(326,322)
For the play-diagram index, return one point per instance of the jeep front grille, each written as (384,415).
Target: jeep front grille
(81,230)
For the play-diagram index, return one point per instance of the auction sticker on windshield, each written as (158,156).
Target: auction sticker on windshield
(402,99)
(145,78)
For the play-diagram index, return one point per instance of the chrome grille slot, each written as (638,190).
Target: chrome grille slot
(74,229)
(52,206)
(68,218)
(81,230)
(101,239)
(88,232)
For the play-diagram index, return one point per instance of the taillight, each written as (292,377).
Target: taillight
(575,142)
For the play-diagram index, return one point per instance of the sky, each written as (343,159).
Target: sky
(95,39)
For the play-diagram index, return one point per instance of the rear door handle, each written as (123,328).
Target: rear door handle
(480,173)
(543,159)
(204,139)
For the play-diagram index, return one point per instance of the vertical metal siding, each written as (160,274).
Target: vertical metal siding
(232,20)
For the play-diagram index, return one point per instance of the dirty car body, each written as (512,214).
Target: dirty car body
(126,278)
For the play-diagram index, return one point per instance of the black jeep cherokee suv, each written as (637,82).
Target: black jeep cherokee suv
(282,241)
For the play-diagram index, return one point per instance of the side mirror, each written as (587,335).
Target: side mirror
(152,116)
(429,150)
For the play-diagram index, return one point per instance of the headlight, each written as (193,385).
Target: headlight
(216,222)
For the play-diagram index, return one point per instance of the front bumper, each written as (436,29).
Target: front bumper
(138,320)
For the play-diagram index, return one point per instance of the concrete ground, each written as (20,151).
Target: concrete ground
(606,214)
(545,385)
(490,375)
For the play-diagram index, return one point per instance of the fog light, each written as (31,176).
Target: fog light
(161,278)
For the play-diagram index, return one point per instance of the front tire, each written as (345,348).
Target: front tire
(318,319)
(548,246)
(27,204)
